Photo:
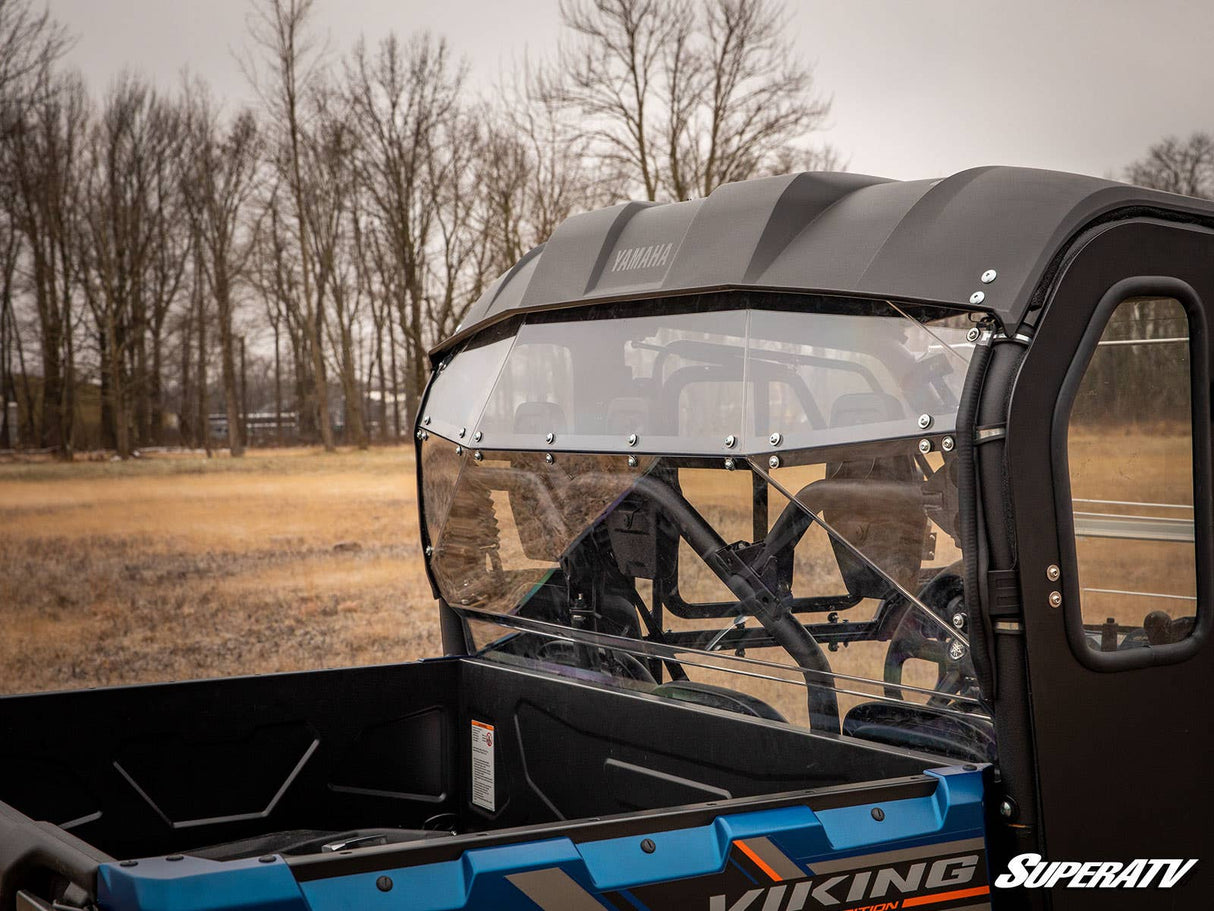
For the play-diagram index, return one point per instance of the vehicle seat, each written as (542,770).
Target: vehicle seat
(539,417)
(628,414)
(892,536)
(717,697)
(921,729)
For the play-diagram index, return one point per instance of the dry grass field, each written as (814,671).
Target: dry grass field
(176,567)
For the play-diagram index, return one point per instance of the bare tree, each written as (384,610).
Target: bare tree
(42,158)
(684,97)
(219,180)
(280,29)
(1177,166)
(136,138)
(401,98)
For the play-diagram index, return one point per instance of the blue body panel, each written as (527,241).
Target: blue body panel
(776,857)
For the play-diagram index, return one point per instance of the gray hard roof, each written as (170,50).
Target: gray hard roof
(923,240)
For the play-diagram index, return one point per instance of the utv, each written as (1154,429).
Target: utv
(826,543)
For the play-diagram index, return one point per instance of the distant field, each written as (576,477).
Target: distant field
(177,566)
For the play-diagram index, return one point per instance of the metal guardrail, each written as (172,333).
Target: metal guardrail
(1142,528)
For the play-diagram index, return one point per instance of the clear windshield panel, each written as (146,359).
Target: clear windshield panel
(737,373)
(825,378)
(463,382)
(822,594)
(597,384)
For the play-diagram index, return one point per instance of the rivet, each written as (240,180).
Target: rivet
(775,439)
(648,846)
(1055,599)
(730,441)
(925,421)
(878,814)
(419,434)
(384,884)
(550,437)
(925,446)
(459,450)
(632,462)
(633,439)
(1053,573)
(1007,809)
(478,455)
(729,464)
(989,276)
(549,458)
(476,437)
(426,420)
(959,620)
(773,462)
(173,857)
(974,334)
(947,444)
(462,431)
(956,651)
(425,435)
(266,859)
(128,863)
(977,297)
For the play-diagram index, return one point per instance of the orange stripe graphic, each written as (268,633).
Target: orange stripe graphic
(946,896)
(759,862)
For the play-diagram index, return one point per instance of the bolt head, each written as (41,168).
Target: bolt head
(729,465)
(459,450)
(462,431)
(956,651)
(1053,573)
(989,276)
(773,462)
(925,446)
(1007,810)
(633,439)
(429,551)
(648,846)
(1055,599)
(948,444)
(549,458)
(550,437)
(925,421)
(384,884)
(426,420)
(730,441)
(775,439)
(959,620)
(477,437)
(977,297)
(420,434)
(877,813)
(632,462)
(973,335)
(478,455)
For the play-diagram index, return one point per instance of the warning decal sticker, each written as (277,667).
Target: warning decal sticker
(482,766)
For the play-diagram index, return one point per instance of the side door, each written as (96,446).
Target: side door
(1109,462)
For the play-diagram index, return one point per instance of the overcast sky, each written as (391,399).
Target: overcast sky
(921,88)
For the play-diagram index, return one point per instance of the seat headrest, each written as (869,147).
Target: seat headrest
(539,417)
(865,408)
(628,414)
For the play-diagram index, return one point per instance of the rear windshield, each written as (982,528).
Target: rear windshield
(799,372)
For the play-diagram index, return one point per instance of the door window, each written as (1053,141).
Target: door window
(1130,452)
